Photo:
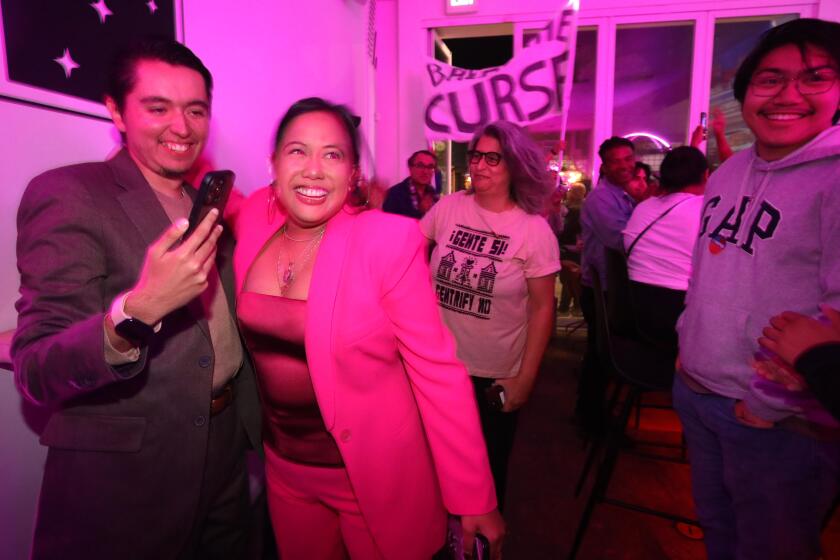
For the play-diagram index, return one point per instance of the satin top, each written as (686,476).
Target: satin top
(273,328)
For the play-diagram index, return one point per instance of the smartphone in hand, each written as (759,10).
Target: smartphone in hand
(704,122)
(495,396)
(213,193)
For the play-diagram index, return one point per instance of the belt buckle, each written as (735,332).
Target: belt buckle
(222,401)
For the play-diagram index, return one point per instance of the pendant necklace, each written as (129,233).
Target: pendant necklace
(286,277)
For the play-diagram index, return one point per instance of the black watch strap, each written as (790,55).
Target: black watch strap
(134,329)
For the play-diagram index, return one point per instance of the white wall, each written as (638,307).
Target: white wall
(264,56)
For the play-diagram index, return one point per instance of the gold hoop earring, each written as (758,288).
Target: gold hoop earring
(271,209)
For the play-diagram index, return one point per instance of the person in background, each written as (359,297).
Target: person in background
(570,247)
(416,194)
(555,212)
(718,125)
(603,217)
(125,335)
(765,466)
(644,172)
(371,429)
(638,189)
(659,239)
(493,268)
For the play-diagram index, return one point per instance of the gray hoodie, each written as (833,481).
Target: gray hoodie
(769,242)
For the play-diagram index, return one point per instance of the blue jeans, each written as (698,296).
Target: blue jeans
(760,494)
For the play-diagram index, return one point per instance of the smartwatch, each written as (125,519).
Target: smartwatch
(128,327)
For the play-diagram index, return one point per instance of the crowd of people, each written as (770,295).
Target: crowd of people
(375,361)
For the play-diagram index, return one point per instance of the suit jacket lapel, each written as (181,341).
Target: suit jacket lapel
(146,213)
(326,276)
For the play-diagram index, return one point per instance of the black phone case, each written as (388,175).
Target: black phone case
(213,193)
(492,395)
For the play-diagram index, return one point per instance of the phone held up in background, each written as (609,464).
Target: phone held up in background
(704,122)
(213,193)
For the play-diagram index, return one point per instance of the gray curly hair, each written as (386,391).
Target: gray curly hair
(530,182)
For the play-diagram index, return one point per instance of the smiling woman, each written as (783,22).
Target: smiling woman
(494,260)
(357,372)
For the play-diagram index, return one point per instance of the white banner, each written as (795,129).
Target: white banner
(533,85)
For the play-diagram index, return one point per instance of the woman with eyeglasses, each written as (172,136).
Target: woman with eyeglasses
(493,267)
(370,431)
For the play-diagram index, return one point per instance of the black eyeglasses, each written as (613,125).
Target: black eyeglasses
(429,166)
(492,158)
(811,81)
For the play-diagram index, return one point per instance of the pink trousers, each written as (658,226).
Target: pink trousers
(314,512)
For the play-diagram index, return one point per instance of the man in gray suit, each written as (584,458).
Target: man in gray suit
(126,335)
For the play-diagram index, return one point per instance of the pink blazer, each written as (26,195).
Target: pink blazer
(391,391)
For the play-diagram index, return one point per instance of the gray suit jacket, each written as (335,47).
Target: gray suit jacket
(127,443)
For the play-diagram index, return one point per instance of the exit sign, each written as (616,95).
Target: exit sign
(461,6)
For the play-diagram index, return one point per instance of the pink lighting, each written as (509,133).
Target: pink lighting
(661,142)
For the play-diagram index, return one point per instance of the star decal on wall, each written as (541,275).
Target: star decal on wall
(102,9)
(152,6)
(66,62)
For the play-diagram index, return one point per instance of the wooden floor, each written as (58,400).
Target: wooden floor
(542,512)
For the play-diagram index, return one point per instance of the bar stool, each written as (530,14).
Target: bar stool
(641,369)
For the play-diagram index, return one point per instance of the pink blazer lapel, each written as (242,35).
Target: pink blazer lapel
(252,232)
(326,276)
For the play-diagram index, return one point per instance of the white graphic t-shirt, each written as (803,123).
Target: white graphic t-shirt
(479,267)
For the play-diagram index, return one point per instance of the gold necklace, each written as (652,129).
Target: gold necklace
(298,240)
(285,278)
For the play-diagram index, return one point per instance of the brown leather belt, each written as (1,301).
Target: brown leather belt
(223,399)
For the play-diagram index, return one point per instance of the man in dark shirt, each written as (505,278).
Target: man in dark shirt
(414,196)
(603,217)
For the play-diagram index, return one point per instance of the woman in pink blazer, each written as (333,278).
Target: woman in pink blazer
(372,433)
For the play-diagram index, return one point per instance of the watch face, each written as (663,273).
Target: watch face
(132,329)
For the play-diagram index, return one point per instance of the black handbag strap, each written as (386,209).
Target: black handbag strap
(650,225)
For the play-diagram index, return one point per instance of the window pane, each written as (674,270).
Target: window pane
(581,110)
(733,41)
(653,84)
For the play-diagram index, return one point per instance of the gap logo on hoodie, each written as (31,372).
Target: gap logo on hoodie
(763,224)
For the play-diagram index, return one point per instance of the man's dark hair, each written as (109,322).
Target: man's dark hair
(682,167)
(798,32)
(413,156)
(122,75)
(612,143)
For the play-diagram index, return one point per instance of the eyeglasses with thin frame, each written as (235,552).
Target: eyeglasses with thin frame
(425,166)
(492,158)
(811,81)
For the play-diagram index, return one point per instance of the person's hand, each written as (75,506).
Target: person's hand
(790,334)
(697,137)
(745,416)
(776,371)
(517,392)
(173,274)
(718,122)
(491,525)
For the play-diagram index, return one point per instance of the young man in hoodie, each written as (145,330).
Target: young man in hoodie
(765,462)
